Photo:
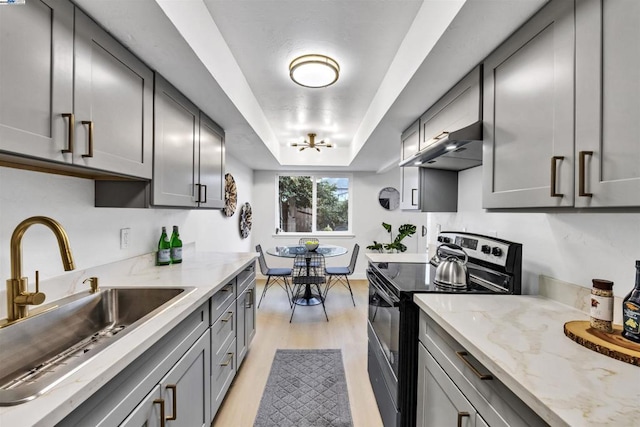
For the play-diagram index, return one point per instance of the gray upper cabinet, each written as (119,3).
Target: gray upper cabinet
(460,107)
(211,170)
(528,114)
(607,103)
(188,153)
(113,104)
(410,176)
(72,96)
(36,78)
(175,159)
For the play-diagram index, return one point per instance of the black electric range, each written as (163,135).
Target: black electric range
(494,267)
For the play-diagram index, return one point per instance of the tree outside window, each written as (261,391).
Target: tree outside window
(313,204)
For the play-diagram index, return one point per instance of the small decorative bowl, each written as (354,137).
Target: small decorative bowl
(311,246)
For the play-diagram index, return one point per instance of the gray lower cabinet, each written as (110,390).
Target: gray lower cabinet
(440,403)
(185,376)
(72,94)
(528,114)
(246,309)
(607,103)
(188,153)
(182,397)
(454,388)
(149,413)
(36,88)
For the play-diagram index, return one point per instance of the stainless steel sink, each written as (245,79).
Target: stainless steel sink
(40,351)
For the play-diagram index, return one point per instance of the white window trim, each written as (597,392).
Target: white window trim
(313,233)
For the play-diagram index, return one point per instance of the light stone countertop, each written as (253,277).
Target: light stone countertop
(520,339)
(207,272)
(402,257)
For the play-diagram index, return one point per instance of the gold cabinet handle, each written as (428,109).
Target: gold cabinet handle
(90,124)
(229,317)
(461,415)
(174,406)
(440,135)
(161,403)
(554,175)
(462,356)
(72,125)
(582,174)
(228,360)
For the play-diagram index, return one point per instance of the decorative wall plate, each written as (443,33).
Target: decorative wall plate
(230,195)
(245,220)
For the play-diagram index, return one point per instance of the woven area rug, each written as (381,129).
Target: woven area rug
(305,388)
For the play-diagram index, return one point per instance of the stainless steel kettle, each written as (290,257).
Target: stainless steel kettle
(451,272)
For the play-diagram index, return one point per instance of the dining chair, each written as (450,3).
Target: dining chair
(341,274)
(305,277)
(303,241)
(274,276)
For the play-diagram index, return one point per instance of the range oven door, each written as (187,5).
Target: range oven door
(384,330)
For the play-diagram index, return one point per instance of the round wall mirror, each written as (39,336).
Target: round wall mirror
(389,198)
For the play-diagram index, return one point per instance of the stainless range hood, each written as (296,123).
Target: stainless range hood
(455,150)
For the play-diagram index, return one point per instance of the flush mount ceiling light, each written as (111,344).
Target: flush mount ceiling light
(314,71)
(312,143)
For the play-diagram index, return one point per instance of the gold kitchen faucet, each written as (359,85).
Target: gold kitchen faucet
(18,295)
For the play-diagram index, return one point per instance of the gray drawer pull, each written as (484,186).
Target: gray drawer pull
(227,288)
(229,316)
(462,356)
(228,360)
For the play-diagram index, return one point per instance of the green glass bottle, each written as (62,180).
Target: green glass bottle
(164,249)
(631,311)
(176,246)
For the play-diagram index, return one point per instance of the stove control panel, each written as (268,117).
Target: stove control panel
(485,248)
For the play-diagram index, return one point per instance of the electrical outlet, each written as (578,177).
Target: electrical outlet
(125,237)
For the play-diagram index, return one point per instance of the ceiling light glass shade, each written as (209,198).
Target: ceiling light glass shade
(314,71)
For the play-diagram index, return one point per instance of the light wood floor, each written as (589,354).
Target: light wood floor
(345,330)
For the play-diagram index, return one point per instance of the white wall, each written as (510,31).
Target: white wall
(571,246)
(94,233)
(368,216)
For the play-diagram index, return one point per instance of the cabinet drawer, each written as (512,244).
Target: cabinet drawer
(223,370)
(221,300)
(223,331)
(498,405)
(245,278)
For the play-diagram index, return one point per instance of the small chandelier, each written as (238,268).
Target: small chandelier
(312,143)
(314,71)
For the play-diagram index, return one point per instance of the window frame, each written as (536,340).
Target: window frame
(314,204)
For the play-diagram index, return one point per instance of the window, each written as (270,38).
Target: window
(314,204)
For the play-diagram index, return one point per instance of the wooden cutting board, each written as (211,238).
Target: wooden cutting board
(609,344)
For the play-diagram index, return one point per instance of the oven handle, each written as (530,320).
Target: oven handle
(392,300)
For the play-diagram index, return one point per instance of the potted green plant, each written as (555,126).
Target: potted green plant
(396,244)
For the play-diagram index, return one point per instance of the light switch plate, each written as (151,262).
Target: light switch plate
(125,235)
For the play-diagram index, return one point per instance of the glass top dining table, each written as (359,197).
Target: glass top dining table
(290,251)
